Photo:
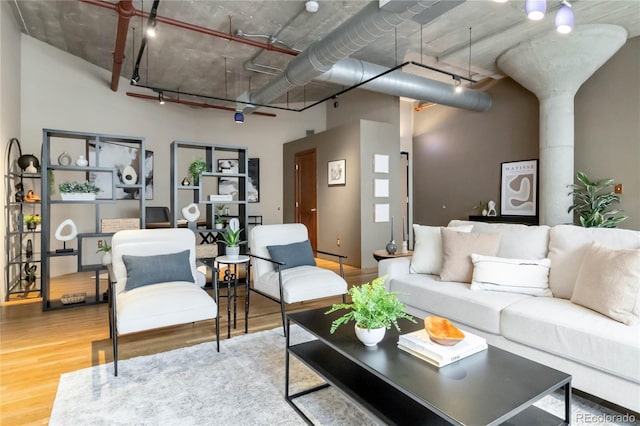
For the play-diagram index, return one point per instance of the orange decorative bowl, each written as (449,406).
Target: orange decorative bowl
(442,332)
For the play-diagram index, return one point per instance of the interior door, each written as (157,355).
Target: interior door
(306,193)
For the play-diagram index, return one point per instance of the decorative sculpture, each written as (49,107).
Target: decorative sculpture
(391,247)
(492,208)
(191,213)
(73,232)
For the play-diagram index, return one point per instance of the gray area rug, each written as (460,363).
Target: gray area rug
(241,385)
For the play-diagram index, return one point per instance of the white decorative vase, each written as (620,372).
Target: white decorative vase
(106,258)
(81,161)
(232,252)
(370,337)
(219,226)
(78,196)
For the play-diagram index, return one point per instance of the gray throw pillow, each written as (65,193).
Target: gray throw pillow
(293,255)
(161,268)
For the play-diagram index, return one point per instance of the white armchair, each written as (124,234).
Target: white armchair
(153,283)
(288,277)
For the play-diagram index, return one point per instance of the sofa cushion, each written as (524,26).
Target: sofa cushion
(454,301)
(293,255)
(562,328)
(304,283)
(608,282)
(160,268)
(526,276)
(155,306)
(567,246)
(427,251)
(456,253)
(518,241)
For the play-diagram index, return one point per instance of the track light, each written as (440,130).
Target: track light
(457,84)
(311,6)
(161,97)
(151,29)
(564,18)
(535,9)
(135,79)
(238,117)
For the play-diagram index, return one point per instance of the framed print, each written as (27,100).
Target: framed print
(337,172)
(125,160)
(380,163)
(519,188)
(229,185)
(381,187)
(381,213)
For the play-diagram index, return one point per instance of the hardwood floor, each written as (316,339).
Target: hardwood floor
(37,347)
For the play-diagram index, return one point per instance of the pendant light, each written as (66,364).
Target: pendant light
(535,9)
(565,18)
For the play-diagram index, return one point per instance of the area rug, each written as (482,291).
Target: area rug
(241,385)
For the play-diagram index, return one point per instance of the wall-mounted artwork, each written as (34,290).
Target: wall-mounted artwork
(381,187)
(380,163)
(125,159)
(519,188)
(337,172)
(229,185)
(381,213)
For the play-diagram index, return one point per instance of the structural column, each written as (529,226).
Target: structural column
(553,67)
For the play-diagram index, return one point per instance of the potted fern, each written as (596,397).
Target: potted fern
(231,238)
(592,202)
(196,169)
(374,310)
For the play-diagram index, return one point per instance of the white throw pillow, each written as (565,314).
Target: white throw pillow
(511,275)
(427,249)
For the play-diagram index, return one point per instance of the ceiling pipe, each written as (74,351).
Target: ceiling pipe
(349,72)
(193,104)
(197,28)
(362,29)
(125,11)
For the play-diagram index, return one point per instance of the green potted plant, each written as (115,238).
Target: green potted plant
(32,221)
(374,310)
(78,191)
(106,249)
(196,168)
(231,238)
(219,222)
(592,201)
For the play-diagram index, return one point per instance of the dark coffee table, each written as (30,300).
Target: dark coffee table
(489,388)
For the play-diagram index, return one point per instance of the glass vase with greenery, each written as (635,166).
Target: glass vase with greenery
(196,168)
(592,202)
(371,307)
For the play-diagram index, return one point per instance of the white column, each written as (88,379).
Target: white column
(553,67)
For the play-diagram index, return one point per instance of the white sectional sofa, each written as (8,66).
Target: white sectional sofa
(602,354)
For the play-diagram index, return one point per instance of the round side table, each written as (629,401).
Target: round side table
(231,278)
(378,255)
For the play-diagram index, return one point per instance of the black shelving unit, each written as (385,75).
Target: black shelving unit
(17,235)
(53,143)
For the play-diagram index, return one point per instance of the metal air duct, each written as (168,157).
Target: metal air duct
(367,26)
(349,72)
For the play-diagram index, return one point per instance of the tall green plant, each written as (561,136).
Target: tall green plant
(372,306)
(231,238)
(592,201)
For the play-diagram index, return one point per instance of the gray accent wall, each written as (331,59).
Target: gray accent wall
(457,154)
(607,136)
(346,212)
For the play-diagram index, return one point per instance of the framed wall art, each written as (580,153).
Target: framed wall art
(519,188)
(229,185)
(337,172)
(124,158)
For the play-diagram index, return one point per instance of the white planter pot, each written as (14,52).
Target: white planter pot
(370,337)
(106,258)
(232,252)
(78,196)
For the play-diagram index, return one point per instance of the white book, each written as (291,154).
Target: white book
(419,343)
(221,197)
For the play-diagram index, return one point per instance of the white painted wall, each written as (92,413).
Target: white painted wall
(9,106)
(60,91)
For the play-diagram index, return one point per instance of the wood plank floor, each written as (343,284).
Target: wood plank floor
(37,347)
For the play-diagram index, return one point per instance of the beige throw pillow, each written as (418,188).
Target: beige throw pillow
(427,251)
(609,282)
(456,251)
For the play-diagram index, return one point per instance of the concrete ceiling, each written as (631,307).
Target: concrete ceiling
(188,61)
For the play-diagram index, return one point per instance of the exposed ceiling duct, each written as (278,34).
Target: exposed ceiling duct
(349,72)
(362,29)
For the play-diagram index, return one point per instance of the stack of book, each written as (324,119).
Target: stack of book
(221,197)
(420,345)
